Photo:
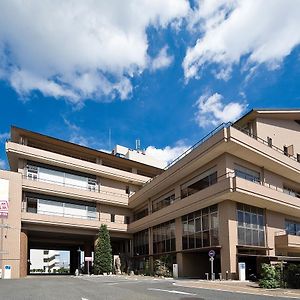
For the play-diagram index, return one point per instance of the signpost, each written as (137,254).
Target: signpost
(88,259)
(211,255)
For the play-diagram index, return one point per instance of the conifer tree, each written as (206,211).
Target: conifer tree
(103,252)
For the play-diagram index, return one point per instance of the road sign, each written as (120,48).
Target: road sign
(88,258)
(211,253)
(3,209)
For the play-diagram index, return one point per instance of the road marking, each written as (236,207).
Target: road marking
(172,292)
(84,299)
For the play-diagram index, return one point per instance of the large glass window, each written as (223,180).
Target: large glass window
(246,173)
(292,227)
(251,225)
(163,202)
(200,228)
(141,243)
(60,207)
(164,237)
(61,177)
(198,183)
(141,213)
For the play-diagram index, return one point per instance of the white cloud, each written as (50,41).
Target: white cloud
(4,136)
(2,164)
(162,60)
(79,49)
(212,110)
(167,154)
(261,31)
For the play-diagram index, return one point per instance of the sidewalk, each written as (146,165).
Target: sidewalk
(237,286)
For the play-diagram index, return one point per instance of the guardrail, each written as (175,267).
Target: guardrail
(261,140)
(86,188)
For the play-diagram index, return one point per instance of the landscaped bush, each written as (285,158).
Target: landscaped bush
(292,276)
(270,277)
(162,266)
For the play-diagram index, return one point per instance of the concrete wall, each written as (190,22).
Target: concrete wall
(282,132)
(11,236)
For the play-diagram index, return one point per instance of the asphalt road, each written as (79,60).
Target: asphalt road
(110,288)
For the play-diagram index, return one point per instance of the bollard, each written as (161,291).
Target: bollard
(220,276)
(206,274)
(213,276)
(227,275)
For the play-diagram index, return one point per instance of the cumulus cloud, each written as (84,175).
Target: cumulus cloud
(162,60)
(80,49)
(211,110)
(167,154)
(243,32)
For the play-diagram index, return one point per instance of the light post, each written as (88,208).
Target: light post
(79,257)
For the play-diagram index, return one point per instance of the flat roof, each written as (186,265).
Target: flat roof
(17,132)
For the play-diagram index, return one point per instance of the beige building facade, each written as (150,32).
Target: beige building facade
(237,192)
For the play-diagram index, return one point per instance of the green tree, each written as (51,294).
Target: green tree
(103,252)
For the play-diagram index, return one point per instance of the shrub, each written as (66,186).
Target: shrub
(103,252)
(270,277)
(161,267)
(292,276)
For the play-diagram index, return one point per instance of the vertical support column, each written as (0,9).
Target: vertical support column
(24,259)
(150,234)
(228,238)
(178,243)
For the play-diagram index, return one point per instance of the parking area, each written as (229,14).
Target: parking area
(127,288)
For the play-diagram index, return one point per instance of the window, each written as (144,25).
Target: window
(291,192)
(112,218)
(246,173)
(251,225)
(298,157)
(198,183)
(127,220)
(200,229)
(162,202)
(141,243)
(270,142)
(292,227)
(140,214)
(164,237)
(285,150)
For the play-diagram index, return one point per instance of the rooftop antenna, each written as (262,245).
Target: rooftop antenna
(109,139)
(137,144)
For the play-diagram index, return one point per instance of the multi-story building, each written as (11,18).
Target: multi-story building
(235,192)
(44,261)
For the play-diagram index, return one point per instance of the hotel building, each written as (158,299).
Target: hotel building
(237,192)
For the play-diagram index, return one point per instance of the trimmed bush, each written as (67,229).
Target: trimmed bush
(270,277)
(103,252)
(292,276)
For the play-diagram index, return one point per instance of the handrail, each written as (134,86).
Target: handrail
(197,144)
(96,190)
(261,140)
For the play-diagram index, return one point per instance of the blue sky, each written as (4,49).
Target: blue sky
(166,72)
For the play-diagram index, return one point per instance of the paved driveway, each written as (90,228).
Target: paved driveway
(112,288)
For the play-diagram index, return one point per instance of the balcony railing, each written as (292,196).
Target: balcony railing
(96,189)
(259,139)
(63,214)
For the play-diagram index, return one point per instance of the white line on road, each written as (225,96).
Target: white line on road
(172,292)
(84,299)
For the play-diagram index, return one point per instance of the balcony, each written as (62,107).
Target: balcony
(91,193)
(15,150)
(284,241)
(46,218)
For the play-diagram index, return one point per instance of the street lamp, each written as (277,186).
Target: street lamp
(79,256)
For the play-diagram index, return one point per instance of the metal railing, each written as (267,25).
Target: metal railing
(261,140)
(196,145)
(63,214)
(86,188)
